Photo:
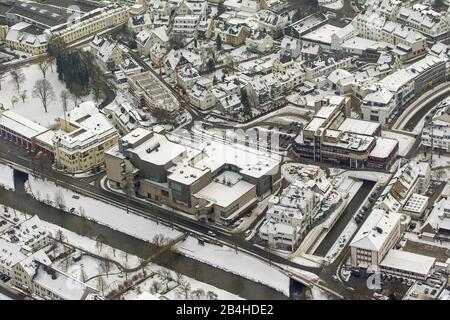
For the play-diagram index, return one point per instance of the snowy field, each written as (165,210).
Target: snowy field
(239,263)
(405,142)
(103,213)
(6,177)
(32,107)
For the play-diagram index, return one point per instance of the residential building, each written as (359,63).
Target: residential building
(436,131)
(291,46)
(201,96)
(138,23)
(437,224)
(146,39)
(378,106)
(107,53)
(290,214)
(259,42)
(90,23)
(24,37)
(185,26)
(403,193)
(148,91)
(425,20)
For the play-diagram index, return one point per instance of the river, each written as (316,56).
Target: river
(242,287)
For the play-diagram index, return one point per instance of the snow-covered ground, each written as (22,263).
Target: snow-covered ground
(319,294)
(103,213)
(3,297)
(91,267)
(438,160)
(221,257)
(405,142)
(173,292)
(32,107)
(239,263)
(6,177)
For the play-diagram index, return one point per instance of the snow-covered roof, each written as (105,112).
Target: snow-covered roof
(337,75)
(408,261)
(360,126)
(158,150)
(92,127)
(322,34)
(21,125)
(10,254)
(376,230)
(225,189)
(439,217)
(380,97)
(416,203)
(383,148)
(62,284)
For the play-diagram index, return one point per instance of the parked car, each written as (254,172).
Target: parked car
(211,233)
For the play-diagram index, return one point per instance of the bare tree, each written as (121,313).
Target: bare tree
(101,284)
(99,243)
(198,294)
(14,100)
(3,73)
(211,295)
(44,64)
(82,212)
(160,240)
(43,90)
(60,235)
(59,199)
(23,95)
(83,275)
(155,287)
(17,77)
(64,96)
(184,289)
(179,278)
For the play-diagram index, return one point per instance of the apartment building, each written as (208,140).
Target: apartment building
(90,23)
(83,137)
(259,42)
(436,131)
(24,37)
(404,191)
(378,234)
(185,26)
(409,83)
(378,106)
(148,91)
(425,20)
(35,275)
(201,96)
(107,52)
(372,25)
(146,39)
(290,214)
